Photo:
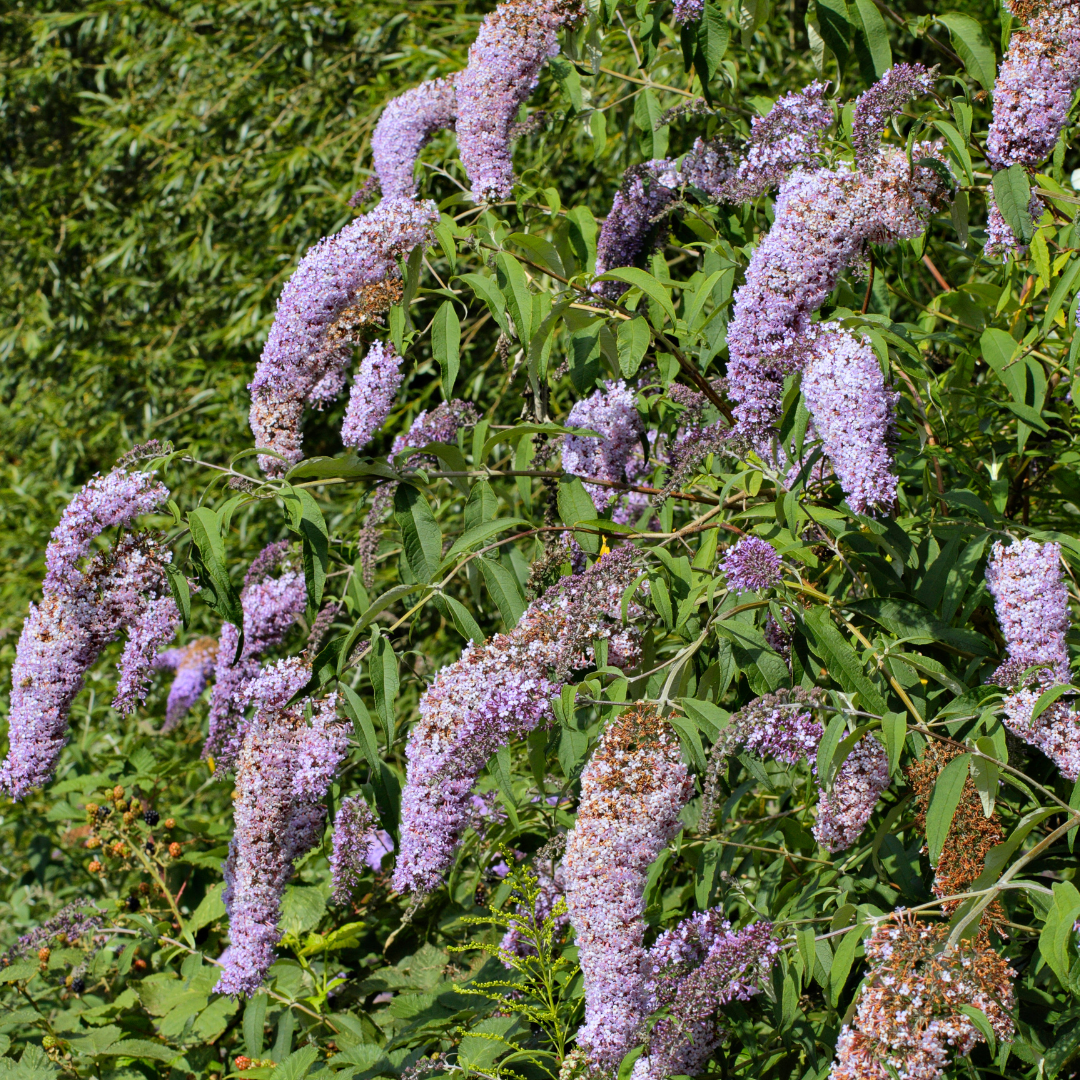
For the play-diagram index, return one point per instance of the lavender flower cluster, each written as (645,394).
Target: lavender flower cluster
(613,413)
(372,396)
(694,970)
(632,791)
(1035,86)
(193,663)
(284,770)
(271,606)
(340,288)
(751,565)
(511,47)
(1031,600)
(494,693)
(87,602)
(358,846)
(406,125)
(875,108)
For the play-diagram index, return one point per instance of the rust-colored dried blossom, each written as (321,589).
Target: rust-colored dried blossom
(971,835)
(908,1023)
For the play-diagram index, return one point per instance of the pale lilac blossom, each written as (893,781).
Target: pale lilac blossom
(504,66)
(406,126)
(194,664)
(278,815)
(372,395)
(844,810)
(632,791)
(497,692)
(751,565)
(853,414)
(358,847)
(1032,603)
(341,288)
(876,107)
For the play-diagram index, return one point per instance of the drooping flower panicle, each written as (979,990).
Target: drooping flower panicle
(271,606)
(844,810)
(1032,604)
(875,108)
(407,124)
(87,602)
(194,664)
(341,287)
(751,565)
(358,846)
(497,692)
(909,1020)
(1035,86)
(284,770)
(853,414)
(372,395)
(632,791)
(511,47)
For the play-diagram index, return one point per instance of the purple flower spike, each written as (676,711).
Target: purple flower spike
(687,11)
(1032,604)
(1032,95)
(359,846)
(696,968)
(278,815)
(271,606)
(372,395)
(497,692)
(441,425)
(612,412)
(632,791)
(853,414)
(751,565)
(875,108)
(844,811)
(84,608)
(504,68)
(194,664)
(823,220)
(342,286)
(406,126)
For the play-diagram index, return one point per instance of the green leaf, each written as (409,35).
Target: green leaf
(482,505)
(826,752)
(420,534)
(488,291)
(834,25)
(712,42)
(566,75)
(841,659)
(515,289)
(973,45)
(348,466)
(479,533)
(575,504)
(876,36)
(644,281)
(254,1019)
(943,803)
(504,589)
(894,728)
(1057,935)
(632,341)
(1012,193)
(1048,697)
(954,139)
(205,528)
(1061,290)
(982,1022)
(181,592)
(583,233)
(297,1064)
(843,960)
(357,712)
(306,520)
(463,621)
(446,345)
(383,669)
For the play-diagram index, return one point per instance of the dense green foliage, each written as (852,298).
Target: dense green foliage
(164,167)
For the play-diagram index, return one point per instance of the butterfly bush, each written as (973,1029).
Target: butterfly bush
(406,126)
(613,413)
(1034,89)
(853,415)
(372,395)
(504,67)
(823,220)
(790,135)
(87,601)
(632,791)
(751,565)
(694,970)
(497,692)
(283,772)
(193,663)
(358,847)
(340,289)
(909,1022)
(271,606)
(1031,599)
(845,808)
(876,107)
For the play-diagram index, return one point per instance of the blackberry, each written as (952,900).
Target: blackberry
(78,984)
(133,903)
(151,817)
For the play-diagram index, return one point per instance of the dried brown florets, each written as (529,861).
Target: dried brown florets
(909,1020)
(971,835)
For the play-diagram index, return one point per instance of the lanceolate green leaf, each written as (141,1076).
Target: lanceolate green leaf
(446,344)
(973,45)
(420,535)
(943,803)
